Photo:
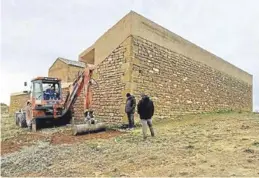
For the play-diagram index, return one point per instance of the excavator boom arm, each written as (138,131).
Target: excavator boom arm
(83,81)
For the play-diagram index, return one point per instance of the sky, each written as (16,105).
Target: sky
(35,32)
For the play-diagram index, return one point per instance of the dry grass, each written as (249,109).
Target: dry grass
(223,144)
(9,129)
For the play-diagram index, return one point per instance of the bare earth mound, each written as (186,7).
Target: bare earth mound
(197,145)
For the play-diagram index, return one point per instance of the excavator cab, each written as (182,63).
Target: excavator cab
(46,100)
(46,91)
(45,103)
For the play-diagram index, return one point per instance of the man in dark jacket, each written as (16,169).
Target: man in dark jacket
(146,111)
(130,109)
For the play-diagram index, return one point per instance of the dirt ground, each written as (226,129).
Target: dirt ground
(222,144)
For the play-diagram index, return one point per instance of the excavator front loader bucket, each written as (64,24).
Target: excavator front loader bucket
(90,125)
(83,82)
(88,128)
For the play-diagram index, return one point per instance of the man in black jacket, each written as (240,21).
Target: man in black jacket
(146,112)
(130,109)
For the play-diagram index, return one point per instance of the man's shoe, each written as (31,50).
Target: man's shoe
(152,131)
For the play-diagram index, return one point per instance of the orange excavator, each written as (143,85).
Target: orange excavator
(46,104)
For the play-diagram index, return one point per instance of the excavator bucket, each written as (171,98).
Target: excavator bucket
(83,83)
(88,128)
(90,125)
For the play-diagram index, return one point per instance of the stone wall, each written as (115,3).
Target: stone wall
(60,70)
(67,73)
(17,102)
(72,73)
(180,85)
(177,84)
(109,96)
(78,106)
(137,25)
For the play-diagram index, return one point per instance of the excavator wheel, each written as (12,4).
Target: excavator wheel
(64,120)
(67,118)
(16,120)
(35,124)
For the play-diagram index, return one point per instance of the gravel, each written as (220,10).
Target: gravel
(29,159)
(40,158)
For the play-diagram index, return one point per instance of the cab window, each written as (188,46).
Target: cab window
(37,91)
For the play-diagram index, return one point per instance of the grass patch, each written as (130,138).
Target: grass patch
(248,150)
(256,144)
(9,129)
(189,147)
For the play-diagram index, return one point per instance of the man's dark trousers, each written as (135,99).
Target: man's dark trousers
(131,119)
